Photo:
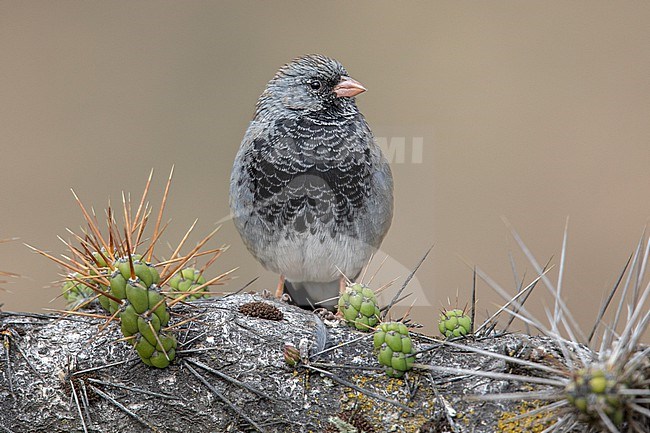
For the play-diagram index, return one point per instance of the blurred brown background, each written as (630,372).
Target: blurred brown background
(530,110)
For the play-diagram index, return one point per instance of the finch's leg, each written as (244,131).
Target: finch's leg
(342,285)
(280,290)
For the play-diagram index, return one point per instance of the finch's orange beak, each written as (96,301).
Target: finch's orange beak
(348,87)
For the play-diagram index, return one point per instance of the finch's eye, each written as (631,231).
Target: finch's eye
(315,84)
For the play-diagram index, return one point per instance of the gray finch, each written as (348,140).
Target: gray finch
(311,192)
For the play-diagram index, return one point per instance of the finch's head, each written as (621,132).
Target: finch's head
(311,84)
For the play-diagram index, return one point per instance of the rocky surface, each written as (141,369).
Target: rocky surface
(63,375)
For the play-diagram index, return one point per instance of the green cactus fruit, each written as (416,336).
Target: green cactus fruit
(163,316)
(144,312)
(113,306)
(141,269)
(398,362)
(159,306)
(454,323)
(117,289)
(385,357)
(138,297)
(149,329)
(104,302)
(75,292)
(155,347)
(378,338)
(129,321)
(168,343)
(594,391)
(100,261)
(159,356)
(121,282)
(407,345)
(159,359)
(395,348)
(144,348)
(598,384)
(358,306)
(143,273)
(394,340)
(124,267)
(118,285)
(188,280)
(155,275)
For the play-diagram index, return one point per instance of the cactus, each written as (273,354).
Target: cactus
(188,280)
(121,282)
(127,285)
(595,389)
(154,346)
(145,312)
(454,323)
(395,348)
(358,306)
(76,292)
(81,286)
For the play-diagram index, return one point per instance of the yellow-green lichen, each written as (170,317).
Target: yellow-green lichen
(517,421)
(381,413)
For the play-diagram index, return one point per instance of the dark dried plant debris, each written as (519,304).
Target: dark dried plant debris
(350,419)
(261,310)
(432,426)
(357,420)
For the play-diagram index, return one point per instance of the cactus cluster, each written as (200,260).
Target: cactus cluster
(358,306)
(79,288)
(454,323)
(132,294)
(144,320)
(395,347)
(142,311)
(120,276)
(598,382)
(188,280)
(76,291)
(104,265)
(594,390)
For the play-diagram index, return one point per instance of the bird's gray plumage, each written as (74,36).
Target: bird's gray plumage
(310,192)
